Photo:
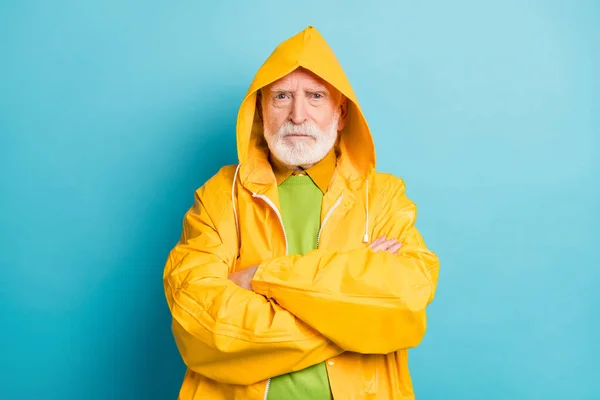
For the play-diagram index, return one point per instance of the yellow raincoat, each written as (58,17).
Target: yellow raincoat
(358,310)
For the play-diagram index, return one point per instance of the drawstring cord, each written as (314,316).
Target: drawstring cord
(366,237)
(237,225)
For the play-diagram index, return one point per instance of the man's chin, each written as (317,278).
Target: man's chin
(303,155)
(295,141)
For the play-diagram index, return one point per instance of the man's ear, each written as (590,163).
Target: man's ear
(343,113)
(259,109)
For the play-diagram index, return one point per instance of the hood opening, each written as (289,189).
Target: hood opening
(308,50)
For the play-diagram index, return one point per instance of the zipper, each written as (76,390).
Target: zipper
(267,390)
(270,203)
(337,203)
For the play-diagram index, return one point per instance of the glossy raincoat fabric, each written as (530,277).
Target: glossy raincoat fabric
(358,310)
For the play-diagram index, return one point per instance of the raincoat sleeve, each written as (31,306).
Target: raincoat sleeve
(365,301)
(224,332)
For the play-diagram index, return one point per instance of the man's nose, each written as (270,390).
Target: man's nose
(299,111)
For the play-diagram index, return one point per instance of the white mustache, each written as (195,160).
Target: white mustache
(306,128)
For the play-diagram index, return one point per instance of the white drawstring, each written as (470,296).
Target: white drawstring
(237,228)
(366,238)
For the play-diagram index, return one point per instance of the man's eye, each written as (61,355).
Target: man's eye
(317,95)
(280,96)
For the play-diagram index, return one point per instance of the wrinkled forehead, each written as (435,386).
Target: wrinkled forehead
(301,78)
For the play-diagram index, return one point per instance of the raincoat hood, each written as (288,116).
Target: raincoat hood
(310,51)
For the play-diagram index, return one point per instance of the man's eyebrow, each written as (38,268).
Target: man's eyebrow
(318,89)
(314,89)
(280,89)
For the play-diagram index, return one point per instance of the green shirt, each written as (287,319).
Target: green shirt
(300,200)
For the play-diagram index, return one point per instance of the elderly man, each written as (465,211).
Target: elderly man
(300,273)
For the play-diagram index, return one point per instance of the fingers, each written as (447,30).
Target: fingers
(379,244)
(382,244)
(394,248)
(373,245)
(243,278)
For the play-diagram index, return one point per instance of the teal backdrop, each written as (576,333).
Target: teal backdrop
(113,112)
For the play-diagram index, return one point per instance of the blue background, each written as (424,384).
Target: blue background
(113,112)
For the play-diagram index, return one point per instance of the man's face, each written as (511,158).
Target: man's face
(302,115)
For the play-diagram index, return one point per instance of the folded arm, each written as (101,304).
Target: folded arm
(365,301)
(222,331)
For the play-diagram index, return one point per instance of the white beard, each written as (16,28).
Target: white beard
(304,152)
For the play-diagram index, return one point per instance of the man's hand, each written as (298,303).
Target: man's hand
(244,277)
(382,244)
